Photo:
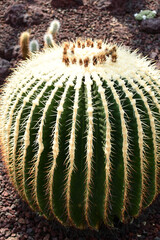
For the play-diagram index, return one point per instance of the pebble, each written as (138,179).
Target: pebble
(9,215)
(5,64)
(21,221)
(47,237)
(29,231)
(7,233)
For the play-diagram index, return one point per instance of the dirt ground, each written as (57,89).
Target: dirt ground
(95,20)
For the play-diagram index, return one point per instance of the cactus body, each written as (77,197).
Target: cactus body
(48,40)
(24,44)
(34,46)
(54,27)
(145,14)
(80,132)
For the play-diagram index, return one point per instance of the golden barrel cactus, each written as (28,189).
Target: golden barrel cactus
(80,132)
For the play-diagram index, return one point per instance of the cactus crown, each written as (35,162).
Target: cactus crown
(87,52)
(80,132)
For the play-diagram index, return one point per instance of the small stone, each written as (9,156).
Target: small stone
(153,55)
(8,53)
(29,230)
(47,237)
(13,206)
(139,235)
(44,229)
(3,230)
(9,215)
(8,233)
(21,221)
(2,70)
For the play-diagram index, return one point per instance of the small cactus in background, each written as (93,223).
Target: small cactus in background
(80,132)
(48,40)
(28,47)
(54,27)
(24,44)
(145,14)
(34,46)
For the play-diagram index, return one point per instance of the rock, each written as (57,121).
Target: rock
(153,55)
(2,49)
(151,25)
(29,231)
(47,237)
(9,215)
(15,14)
(3,230)
(27,215)
(8,53)
(4,67)
(21,221)
(34,15)
(156,238)
(64,3)
(8,233)
(16,51)
(11,52)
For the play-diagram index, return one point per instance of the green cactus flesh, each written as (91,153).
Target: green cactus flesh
(145,13)
(80,132)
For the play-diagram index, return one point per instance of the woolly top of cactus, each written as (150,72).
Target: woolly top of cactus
(126,63)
